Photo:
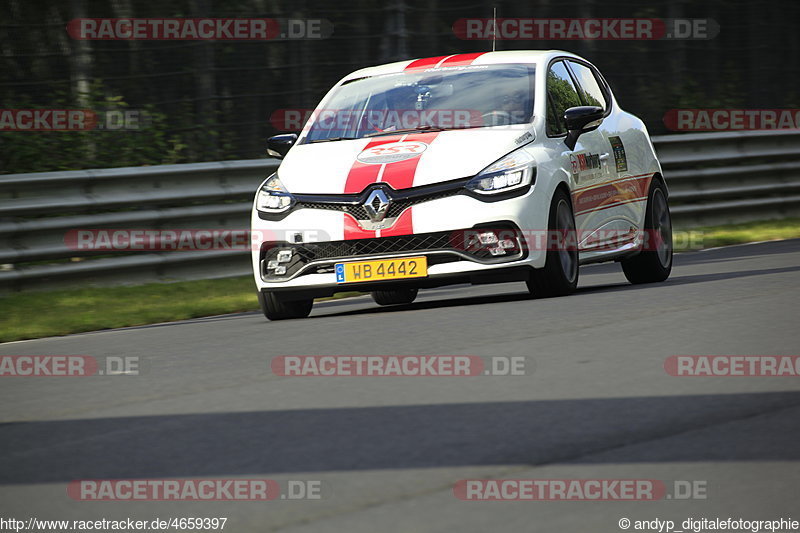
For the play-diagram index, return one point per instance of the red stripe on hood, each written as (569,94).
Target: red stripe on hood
(404,225)
(398,175)
(353,231)
(362,174)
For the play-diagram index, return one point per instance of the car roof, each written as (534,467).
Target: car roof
(476,58)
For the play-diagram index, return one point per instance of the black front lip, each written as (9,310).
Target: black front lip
(500,275)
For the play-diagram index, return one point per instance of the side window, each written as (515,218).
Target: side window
(592,92)
(561,95)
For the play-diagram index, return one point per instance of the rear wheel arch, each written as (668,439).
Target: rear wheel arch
(653,265)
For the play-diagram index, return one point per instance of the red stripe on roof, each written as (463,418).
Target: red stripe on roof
(461,59)
(426,62)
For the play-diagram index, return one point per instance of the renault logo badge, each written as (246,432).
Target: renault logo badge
(377,205)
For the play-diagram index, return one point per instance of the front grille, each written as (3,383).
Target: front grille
(401,200)
(379,246)
(357,211)
(398,207)
(449,245)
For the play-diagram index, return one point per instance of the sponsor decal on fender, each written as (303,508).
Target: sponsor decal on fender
(603,196)
(584,165)
(583,162)
(620,159)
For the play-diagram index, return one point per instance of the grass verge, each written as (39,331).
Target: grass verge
(770,230)
(30,315)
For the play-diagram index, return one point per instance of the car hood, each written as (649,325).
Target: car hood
(401,161)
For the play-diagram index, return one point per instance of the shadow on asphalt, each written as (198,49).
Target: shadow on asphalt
(686,280)
(741,251)
(587,431)
(724,254)
(614,287)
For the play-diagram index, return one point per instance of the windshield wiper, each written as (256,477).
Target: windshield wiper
(332,139)
(406,130)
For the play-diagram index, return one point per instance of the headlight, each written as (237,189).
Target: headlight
(514,171)
(273,196)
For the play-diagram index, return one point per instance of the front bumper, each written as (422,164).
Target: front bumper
(440,229)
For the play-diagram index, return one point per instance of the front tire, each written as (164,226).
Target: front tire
(654,262)
(399,296)
(559,277)
(276,307)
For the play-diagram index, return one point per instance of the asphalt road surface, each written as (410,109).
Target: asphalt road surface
(595,402)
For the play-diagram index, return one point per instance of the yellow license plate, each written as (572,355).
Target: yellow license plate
(408,267)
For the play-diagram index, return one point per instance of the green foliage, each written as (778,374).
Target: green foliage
(561,96)
(122,137)
(216,97)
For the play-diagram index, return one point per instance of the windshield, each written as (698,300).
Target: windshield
(446,98)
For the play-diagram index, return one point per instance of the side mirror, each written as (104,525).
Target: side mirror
(279,145)
(580,120)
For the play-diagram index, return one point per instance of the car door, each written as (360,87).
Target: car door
(606,203)
(588,161)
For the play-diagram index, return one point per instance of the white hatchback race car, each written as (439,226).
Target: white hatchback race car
(469,168)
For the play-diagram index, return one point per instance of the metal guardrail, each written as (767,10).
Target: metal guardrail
(37,210)
(722,178)
(713,178)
